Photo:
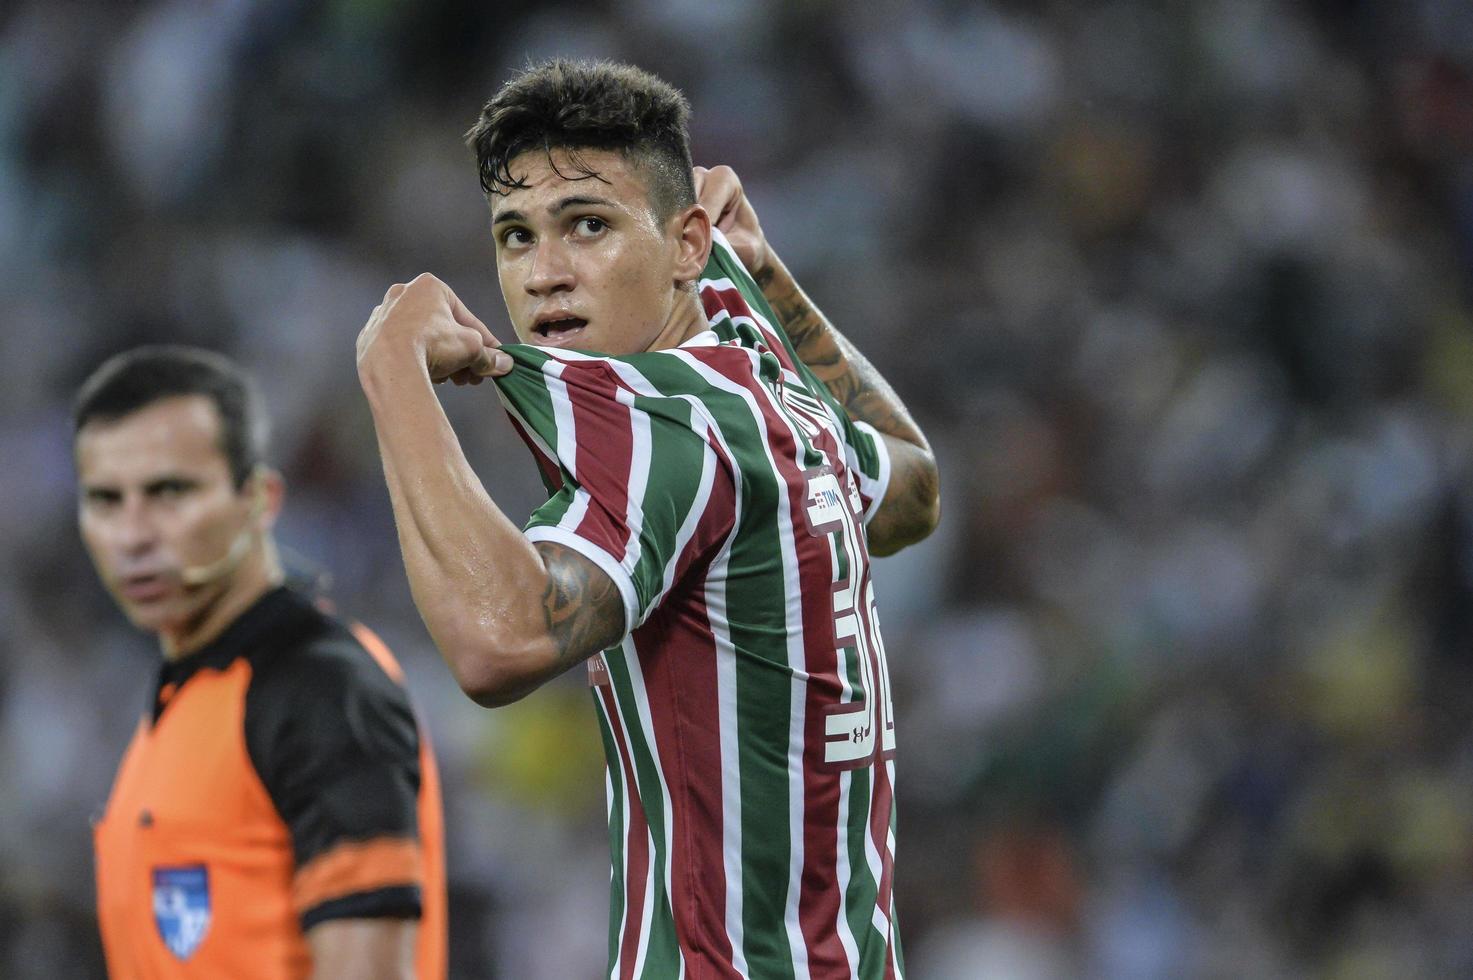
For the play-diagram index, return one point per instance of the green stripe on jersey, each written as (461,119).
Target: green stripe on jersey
(663,948)
(677,457)
(616,830)
(525,397)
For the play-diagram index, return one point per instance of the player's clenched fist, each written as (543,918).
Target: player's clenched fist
(426,320)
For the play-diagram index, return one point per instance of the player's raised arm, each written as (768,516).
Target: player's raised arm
(912,504)
(506,615)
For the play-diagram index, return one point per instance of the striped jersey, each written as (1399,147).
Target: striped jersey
(746,714)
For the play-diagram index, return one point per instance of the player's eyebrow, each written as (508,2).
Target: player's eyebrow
(580,201)
(573,201)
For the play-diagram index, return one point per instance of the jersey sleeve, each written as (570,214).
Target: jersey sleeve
(738,311)
(868,459)
(640,487)
(335,743)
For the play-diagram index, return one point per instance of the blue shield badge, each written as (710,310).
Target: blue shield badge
(181,907)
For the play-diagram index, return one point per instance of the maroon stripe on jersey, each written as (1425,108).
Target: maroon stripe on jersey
(636,844)
(552,474)
(685,714)
(605,438)
(818,896)
(732,301)
(881,802)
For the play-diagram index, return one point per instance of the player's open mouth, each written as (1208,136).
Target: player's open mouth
(560,330)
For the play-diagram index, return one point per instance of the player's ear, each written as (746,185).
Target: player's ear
(693,228)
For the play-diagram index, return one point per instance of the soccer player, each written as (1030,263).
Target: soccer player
(705,547)
(277,813)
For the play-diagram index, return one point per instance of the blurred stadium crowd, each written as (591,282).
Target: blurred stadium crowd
(1180,292)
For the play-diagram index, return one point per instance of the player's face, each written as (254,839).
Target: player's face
(156,498)
(587,264)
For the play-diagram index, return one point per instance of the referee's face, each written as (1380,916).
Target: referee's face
(156,499)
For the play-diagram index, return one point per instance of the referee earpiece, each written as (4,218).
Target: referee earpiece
(227,563)
(258,493)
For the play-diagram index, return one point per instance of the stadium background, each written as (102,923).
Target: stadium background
(1180,292)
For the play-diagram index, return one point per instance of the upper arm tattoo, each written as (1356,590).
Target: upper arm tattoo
(581,605)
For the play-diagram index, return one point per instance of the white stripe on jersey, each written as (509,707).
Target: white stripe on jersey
(731,770)
(562,412)
(639,475)
(567,441)
(843,874)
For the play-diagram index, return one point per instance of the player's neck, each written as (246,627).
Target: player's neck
(687,319)
(258,574)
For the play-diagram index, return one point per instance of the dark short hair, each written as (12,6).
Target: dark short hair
(588,105)
(135,379)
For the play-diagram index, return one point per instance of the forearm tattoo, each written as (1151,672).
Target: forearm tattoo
(582,607)
(909,511)
(847,374)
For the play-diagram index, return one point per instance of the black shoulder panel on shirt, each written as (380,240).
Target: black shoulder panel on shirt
(397,902)
(331,735)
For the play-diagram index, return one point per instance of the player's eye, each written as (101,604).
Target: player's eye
(515,238)
(588,226)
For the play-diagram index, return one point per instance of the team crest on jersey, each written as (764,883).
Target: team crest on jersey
(181,907)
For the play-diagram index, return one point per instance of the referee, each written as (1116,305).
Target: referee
(277,813)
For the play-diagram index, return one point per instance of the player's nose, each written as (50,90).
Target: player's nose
(551,272)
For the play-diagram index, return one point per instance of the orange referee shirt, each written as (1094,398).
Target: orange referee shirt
(279,781)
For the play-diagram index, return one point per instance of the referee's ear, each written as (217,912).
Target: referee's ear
(693,242)
(267,490)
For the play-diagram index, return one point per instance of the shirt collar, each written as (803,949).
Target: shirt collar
(242,636)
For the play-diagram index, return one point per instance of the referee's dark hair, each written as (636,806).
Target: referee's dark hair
(135,379)
(589,105)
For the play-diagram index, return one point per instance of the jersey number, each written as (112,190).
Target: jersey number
(859,728)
